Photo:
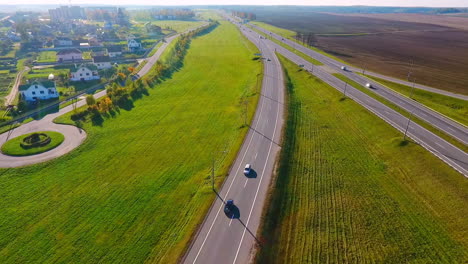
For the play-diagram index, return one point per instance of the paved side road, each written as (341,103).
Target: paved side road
(73,135)
(230,239)
(14,90)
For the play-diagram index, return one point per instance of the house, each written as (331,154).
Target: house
(102,62)
(84,72)
(69,55)
(133,44)
(114,51)
(99,52)
(63,42)
(38,90)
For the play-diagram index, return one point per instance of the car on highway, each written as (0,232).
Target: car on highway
(368,85)
(247,169)
(344,68)
(229,207)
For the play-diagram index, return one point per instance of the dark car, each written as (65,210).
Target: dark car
(229,207)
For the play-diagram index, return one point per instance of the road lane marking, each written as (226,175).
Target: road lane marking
(440,145)
(245,184)
(231,220)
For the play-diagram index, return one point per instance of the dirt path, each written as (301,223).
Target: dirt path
(14,90)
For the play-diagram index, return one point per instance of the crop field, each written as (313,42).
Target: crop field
(138,187)
(386,46)
(454,108)
(47,56)
(349,190)
(6,81)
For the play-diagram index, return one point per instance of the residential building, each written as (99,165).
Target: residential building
(65,13)
(102,62)
(69,55)
(114,51)
(63,42)
(38,90)
(133,44)
(84,72)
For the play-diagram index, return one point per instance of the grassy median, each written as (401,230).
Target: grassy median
(348,189)
(139,186)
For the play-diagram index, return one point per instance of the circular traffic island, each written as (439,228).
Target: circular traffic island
(33,143)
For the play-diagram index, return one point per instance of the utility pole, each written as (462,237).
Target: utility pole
(344,92)
(410,71)
(407,125)
(412,89)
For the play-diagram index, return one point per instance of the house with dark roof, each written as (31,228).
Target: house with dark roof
(63,42)
(102,62)
(69,55)
(38,90)
(114,51)
(84,72)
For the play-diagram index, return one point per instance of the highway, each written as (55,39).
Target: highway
(447,152)
(441,122)
(224,239)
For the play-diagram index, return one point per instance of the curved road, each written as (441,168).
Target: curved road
(73,136)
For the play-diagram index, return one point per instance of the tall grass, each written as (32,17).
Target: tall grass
(349,190)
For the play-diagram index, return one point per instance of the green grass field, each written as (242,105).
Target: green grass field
(47,56)
(13,148)
(454,108)
(137,188)
(348,191)
(176,25)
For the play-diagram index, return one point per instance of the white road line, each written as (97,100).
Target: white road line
(259,184)
(255,156)
(230,221)
(439,145)
(237,172)
(245,184)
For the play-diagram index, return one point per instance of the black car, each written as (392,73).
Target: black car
(229,207)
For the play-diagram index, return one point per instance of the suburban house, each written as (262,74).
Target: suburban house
(63,42)
(84,72)
(38,90)
(102,62)
(133,44)
(69,55)
(114,51)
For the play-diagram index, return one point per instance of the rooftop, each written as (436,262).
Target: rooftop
(45,83)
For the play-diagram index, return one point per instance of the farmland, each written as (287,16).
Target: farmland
(386,46)
(350,190)
(134,192)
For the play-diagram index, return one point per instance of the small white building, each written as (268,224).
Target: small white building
(84,72)
(69,55)
(102,62)
(63,42)
(133,44)
(38,90)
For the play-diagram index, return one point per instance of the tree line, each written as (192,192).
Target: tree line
(245,15)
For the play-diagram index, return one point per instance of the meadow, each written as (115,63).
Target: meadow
(349,190)
(47,56)
(139,186)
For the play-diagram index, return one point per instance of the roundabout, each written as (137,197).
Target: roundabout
(32,143)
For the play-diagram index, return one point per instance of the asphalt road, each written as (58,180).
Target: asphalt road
(443,123)
(73,135)
(226,239)
(14,90)
(450,154)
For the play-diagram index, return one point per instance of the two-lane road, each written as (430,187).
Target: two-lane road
(223,239)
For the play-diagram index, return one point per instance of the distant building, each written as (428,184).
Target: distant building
(84,72)
(38,90)
(63,42)
(66,13)
(114,51)
(108,25)
(133,44)
(69,55)
(102,62)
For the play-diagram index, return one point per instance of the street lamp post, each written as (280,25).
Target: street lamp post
(407,125)
(344,92)
(412,89)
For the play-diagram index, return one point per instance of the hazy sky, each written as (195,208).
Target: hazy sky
(435,3)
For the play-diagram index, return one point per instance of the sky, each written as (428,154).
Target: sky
(427,3)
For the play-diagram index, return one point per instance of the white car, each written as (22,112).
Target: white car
(368,85)
(344,68)
(247,169)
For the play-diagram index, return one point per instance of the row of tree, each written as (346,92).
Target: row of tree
(245,15)
(306,38)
